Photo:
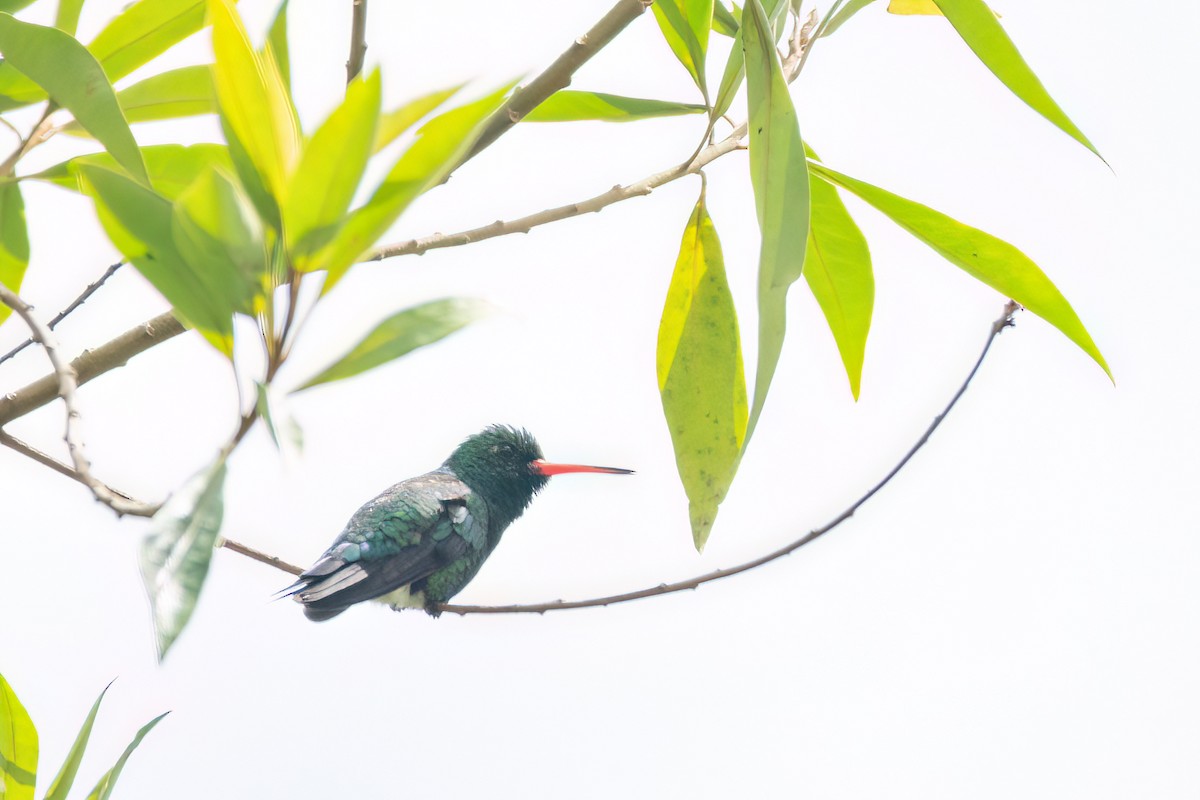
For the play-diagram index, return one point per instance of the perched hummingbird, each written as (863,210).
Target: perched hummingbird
(421,541)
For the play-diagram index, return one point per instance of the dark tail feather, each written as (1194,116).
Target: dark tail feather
(322,614)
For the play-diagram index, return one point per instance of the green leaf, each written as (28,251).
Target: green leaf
(394,123)
(13,6)
(700,373)
(982,256)
(838,270)
(175,553)
(982,32)
(66,775)
(172,167)
(104,788)
(779,175)
(256,111)
(440,144)
(724,22)
(842,16)
(217,232)
(571,106)
(14,240)
(277,45)
(140,222)
(685,25)
(18,747)
(66,18)
(330,170)
(143,31)
(735,66)
(183,92)
(74,80)
(402,333)
(285,432)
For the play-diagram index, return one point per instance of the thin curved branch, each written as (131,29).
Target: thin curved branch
(76,303)
(67,384)
(358,40)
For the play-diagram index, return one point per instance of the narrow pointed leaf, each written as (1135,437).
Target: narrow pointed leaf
(143,31)
(277,44)
(685,25)
(440,145)
(838,270)
(983,33)
(572,106)
(981,255)
(66,18)
(176,552)
(396,122)
(104,788)
(735,65)
(14,241)
(74,79)
(254,103)
(18,747)
(183,92)
(724,22)
(779,175)
(330,170)
(172,167)
(700,373)
(402,333)
(844,14)
(66,775)
(13,6)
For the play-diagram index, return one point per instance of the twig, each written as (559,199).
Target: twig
(259,556)
(40,133)
(358,40)
(67,384)
(76,303)
(91,364)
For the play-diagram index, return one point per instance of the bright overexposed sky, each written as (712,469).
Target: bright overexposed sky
(1014,616)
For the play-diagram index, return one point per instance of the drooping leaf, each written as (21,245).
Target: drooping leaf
(330,170)
(66,774)
(255,108)
(700,373)
(14,241)
(66,18)
(18,747)
(172,167)
(843,15)
(402,333)
(685,25)
(103,789)
(440,145)
(838,270)
(779,176)
(217,232)
(183,92)
(571,106)
(396,122)
(139,222)
(981,255)
(724,22)
(281,425)
(986,37)
(143,31)
(73,78)
(176,551)
(735,65)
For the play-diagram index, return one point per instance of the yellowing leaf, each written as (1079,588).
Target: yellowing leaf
(914,7)
(685,25)
(18,747)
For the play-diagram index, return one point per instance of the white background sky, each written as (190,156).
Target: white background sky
(1015,616)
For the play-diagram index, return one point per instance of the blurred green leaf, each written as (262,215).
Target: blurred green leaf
(172,167)
(779,175)
(330,170)
(175,554)
(255,108)
(183,92)
(685,25)
(844,14)
(66,775)
(139,222)
(74,80)
(982,256)
(394,123)
(571,106)
(18,747)
(724,22)
(440,145)
(277,45)
(14,241)
(402,333)
(700,373)
(838,270)
(983,33)
(143,31)
(104,788)
(13,6)
(285,432)
(66,18)
(217,232)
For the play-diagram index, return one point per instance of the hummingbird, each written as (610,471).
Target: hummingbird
(421,541)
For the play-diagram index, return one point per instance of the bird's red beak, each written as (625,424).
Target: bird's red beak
(546,469)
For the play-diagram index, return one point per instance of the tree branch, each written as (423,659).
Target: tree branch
(76,303)
(358,39)
(91,364)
